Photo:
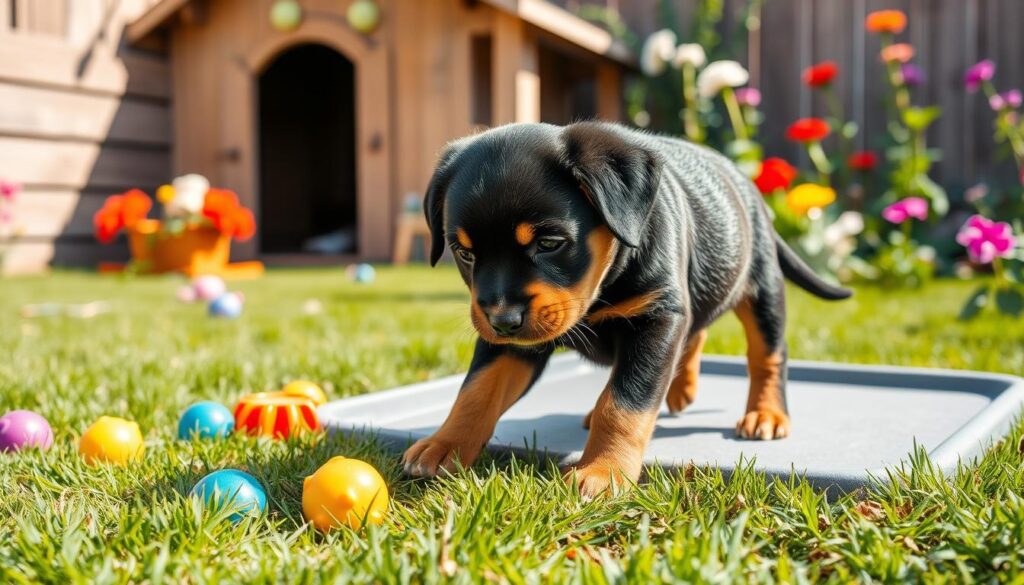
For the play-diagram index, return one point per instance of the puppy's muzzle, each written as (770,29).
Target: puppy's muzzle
(506,320)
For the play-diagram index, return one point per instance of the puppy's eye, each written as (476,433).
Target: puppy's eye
(466,256)
(549,244)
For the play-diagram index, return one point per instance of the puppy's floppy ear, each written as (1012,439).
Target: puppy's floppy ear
(434,201)
(619,177)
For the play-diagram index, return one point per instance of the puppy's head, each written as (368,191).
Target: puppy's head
(534,216)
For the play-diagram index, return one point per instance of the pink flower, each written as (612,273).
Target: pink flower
(986,239)
(905,209)
(748,96)
(1008,99)
(9,189)
(980,71)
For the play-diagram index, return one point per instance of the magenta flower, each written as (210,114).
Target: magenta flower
(9,189)
(980,71)
(986,239)
(1008,99)
(912,74)
(748,96)
(905,209)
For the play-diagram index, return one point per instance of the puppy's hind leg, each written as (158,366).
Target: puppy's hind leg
(683,389)
(763,316)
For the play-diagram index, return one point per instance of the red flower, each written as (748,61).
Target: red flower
(807,130)
(227,215)
(820,75)
(886,21)
(119,212)
(775,174)
(864,160)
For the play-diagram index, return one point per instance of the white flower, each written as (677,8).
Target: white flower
(189,195)
(849,224)
(659,49)
(720,75)
(689,54)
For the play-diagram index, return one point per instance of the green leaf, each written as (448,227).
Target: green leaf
(935,193)
(1010,301)
(849,129)
(975,303)
(920,118)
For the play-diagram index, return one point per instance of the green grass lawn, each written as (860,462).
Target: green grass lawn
(62,521)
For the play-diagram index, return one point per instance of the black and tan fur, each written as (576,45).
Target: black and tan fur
(624,246)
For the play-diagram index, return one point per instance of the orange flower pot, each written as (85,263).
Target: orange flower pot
(195,251)
(276,415)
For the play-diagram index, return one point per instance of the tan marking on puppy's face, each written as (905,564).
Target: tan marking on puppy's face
(630,307)
(524,234)
(554,309)
(463,238)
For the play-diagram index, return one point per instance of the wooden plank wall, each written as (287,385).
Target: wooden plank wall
(81,117)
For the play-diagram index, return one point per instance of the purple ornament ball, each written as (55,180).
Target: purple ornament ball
(22,429)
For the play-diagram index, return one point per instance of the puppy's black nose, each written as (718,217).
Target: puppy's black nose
(506,320)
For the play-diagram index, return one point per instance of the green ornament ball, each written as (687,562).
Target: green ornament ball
(363,15)
(285,15)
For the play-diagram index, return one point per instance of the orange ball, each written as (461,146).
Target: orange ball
(307,389)
(112,440)
(344,491)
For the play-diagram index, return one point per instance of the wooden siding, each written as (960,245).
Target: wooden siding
(81,117)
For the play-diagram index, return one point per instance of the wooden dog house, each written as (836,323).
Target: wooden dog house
(322,127)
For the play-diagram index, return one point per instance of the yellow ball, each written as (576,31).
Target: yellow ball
(306,389)
(344,491)
(112,440)
(165,194)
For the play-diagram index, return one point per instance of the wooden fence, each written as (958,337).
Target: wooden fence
(949,35)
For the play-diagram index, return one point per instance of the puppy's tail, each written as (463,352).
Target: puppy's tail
(800,274)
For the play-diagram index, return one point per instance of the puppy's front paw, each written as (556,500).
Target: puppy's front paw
(433,455)
(597,480)
(763,425)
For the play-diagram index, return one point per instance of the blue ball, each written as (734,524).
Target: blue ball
(233,489)
(227,305)
(209,420)
(364,273)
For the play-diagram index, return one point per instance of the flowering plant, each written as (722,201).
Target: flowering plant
(1008,126)
(188,202)
(902,261)
(993,242)
(909,157)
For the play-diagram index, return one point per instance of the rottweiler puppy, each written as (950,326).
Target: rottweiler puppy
(624,246)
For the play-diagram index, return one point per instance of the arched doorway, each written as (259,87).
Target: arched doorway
(307,151)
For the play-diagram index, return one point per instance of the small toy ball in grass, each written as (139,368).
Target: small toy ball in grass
(112,440)
(344,491)
(234,489)
(209,287)
(227,305)
(207,420)
(306,389)
(361,273)
(186,293)
(24,429)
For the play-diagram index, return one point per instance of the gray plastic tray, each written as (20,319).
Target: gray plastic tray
(849,422)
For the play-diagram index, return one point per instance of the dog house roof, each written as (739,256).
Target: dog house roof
(539,13)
